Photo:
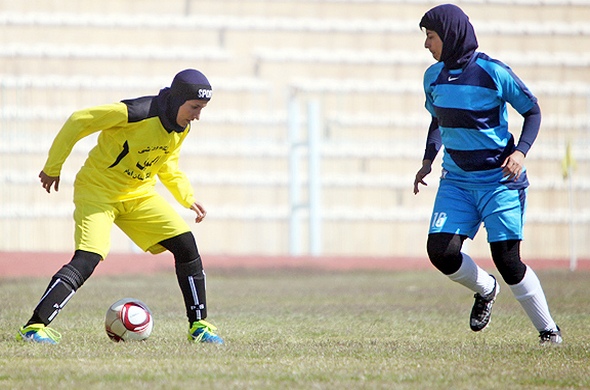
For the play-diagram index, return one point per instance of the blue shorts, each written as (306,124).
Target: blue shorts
(461,211)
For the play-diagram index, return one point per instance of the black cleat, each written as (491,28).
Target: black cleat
(548,337)
(481,313)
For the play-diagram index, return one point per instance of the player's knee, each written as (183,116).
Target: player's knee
(183,247)
(506,256)
(444,252)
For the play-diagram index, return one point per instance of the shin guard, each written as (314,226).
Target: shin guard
(192,281)
(55,298)
(63,286)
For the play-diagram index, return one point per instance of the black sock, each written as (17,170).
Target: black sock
(191,279)
(56,296)
(63,286)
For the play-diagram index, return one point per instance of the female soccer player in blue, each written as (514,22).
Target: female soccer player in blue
(483,176)
(139,140)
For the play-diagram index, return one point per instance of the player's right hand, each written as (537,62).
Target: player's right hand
(48,181)
(421,174)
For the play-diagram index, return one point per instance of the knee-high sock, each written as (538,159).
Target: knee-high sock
(531,297)
(63,285)
(473,277)
(61,289)
(192,281)
(55,298)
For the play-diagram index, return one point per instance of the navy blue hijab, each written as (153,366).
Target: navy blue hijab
(190,84)
(456,32)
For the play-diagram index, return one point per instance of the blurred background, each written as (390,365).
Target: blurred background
(317,124)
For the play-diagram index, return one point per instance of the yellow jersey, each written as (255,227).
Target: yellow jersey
(133,147)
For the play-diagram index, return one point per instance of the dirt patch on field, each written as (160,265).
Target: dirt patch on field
(34,264)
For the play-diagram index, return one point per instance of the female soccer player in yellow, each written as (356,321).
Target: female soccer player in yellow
(139,139)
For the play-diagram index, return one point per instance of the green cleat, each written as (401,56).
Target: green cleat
(38,333)
(202,331)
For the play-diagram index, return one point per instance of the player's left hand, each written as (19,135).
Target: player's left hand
(200,211)
(513,165)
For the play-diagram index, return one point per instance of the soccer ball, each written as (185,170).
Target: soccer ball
(128,319)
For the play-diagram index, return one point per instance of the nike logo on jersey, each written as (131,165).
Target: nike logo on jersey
(451,78)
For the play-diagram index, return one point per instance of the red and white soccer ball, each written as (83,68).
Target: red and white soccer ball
(129,319)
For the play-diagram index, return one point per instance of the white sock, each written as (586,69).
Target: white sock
(532,298)
(473,277)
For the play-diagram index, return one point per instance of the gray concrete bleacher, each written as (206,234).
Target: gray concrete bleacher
(362,60)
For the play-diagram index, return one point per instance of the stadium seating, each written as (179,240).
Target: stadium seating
(360,60)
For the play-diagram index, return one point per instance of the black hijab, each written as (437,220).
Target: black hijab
(190,84)
(456,32)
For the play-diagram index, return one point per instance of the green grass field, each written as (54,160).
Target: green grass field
(302,329)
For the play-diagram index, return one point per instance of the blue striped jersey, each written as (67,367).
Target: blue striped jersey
(470,106)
